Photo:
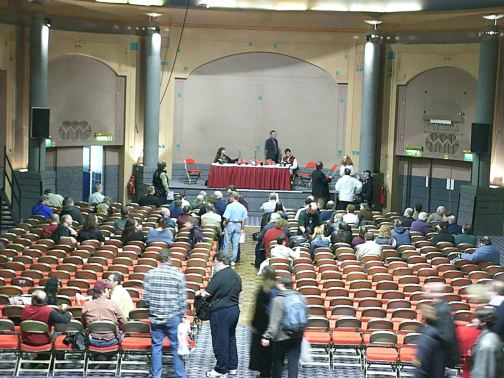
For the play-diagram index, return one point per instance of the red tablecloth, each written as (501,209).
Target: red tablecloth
(249,177)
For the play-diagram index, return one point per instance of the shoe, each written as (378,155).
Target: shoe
(213,373)
(233,263)
(233,372)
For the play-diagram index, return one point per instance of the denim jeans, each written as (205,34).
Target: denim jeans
(104,343)
(158,333)
(223,327)
(232,235)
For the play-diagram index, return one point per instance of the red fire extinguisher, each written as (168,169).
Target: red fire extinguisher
(131,186)
(383,196)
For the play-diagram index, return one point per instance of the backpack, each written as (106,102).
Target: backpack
(295,314)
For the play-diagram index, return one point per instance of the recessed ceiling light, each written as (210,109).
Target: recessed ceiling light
(154,14)
(493,17)
(373,22)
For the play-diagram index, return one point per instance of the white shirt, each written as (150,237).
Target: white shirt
(95,198)
(121,296)
(269,206)
(369,248)
(347,187)
(211,219)
(284,252)
(343,167)
(351,218)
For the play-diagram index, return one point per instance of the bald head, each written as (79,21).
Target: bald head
(39,298)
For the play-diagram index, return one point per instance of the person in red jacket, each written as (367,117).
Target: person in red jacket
(40,311)
(281,228)
(48,230)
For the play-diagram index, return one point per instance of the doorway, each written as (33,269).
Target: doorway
(432,182)
(92,169)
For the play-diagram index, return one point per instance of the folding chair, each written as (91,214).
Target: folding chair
(192,171)
(304,174)
(26,350)
(316,333)
(9,347)
(93,365)
(347,342)
(135,346)
(381,353)
(407,355)
(67,359)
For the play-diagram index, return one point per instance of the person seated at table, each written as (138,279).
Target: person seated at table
(290,161)
(222,158)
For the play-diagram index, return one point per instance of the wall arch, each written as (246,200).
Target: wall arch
(241,97)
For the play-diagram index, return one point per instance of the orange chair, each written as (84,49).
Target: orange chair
(381,353)
(93,365)
(66,358)
(347,337)
(9,344)
(192,170)
(24,365)
(407,353)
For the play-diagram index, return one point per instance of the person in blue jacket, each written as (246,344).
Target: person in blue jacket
(486,252)
(42,208)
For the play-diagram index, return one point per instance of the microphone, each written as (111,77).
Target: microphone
(239,154)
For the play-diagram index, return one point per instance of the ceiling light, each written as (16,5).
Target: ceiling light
(154,14)
(493,16)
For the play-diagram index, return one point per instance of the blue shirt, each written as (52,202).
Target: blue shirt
(165,236)
(220,206)
(235,212)
(41,209)
(484,253)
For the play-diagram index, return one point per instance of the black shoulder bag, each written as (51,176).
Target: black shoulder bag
(203,307)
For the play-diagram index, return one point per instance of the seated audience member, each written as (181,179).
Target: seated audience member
(220,203)
(198,205)
(48,230)
(164,212)
(453,227)
(487,355)
(343,235)
(486,252)
(222,158)
(280,251)
(53,199)
(39,311)
(89,230)
(350,217)
(185,217)
(70,209)
(334,223)
(150,198)
(307,202)
(119,223)
(435,218)
(327,213)
(369,248)
(431,351)
(120,295)
(65,230)
(42,208)
(269,206)
(176,210)
(132,232)
(160,234)
(211,219)
(97,196)
(103,308)
(400,234)
(407,218)
(419,225)
(385,237)
(418,210)
(365,215)
(195,234)
(466,236)
(496,294)
(347,187)
(443,235)
(260,251)
(318,239)
(309,219)
(280,228)
(280,209)
(105,207)
(51,289)
(359,239)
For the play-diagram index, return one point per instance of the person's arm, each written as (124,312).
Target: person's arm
(275,321)
(425,349)
(164,181)
(182,296)
(301,221)
(121,318)
(294,164)
(59,317)
(484,364)
(101,238)
(266,149)
(472,257)
(358,186)
(146,289)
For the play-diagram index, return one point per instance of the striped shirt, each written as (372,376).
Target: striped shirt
(165,293)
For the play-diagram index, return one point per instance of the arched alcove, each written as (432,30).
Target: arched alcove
(236,100)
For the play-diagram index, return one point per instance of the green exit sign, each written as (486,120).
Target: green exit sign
(468,157)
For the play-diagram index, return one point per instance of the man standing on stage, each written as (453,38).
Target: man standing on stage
(271,149)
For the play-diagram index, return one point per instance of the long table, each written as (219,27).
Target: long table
(268,177)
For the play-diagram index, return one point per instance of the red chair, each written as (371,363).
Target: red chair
(25,365)
(9,345)
(381,352)
(93,365)
(192,170)
(67,359)
(305,174)
(347,336)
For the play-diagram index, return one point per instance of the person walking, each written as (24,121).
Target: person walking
(285,328)
(234,216)
(166,298)
(223,290)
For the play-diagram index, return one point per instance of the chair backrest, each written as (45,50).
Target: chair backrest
(383,337)
(33,326)
(136,327)
(102,326)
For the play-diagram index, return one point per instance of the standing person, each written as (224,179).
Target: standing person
(430,348)
(166,298)
(234,216)
(284,341)
(161,182)
(271,149)
(260,357)
(224,291)
(488,354)
(346,163)
(347,187)
(320,185)
(367,188)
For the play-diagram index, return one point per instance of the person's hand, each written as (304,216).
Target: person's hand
(265,342)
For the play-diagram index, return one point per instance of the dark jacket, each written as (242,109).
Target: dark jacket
(442,236)
(74,212)
(430,354)
(320,184)
(149,200)
(367,190)
(272,150)
(90,235)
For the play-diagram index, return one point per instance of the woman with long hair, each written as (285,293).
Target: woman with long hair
(132,231)
(89,230)
(346,162)
(222,158)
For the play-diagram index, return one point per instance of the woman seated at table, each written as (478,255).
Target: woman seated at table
(222,158)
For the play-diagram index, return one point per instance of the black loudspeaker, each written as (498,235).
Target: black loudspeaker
(40,123)
(480,138)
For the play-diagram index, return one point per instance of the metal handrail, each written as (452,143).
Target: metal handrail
(15,189)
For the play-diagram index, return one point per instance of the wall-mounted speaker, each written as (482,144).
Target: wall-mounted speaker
(39,124)
(480,138)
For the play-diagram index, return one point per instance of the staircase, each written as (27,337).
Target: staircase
(6,220)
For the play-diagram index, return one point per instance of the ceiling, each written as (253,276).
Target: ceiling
(459,24)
